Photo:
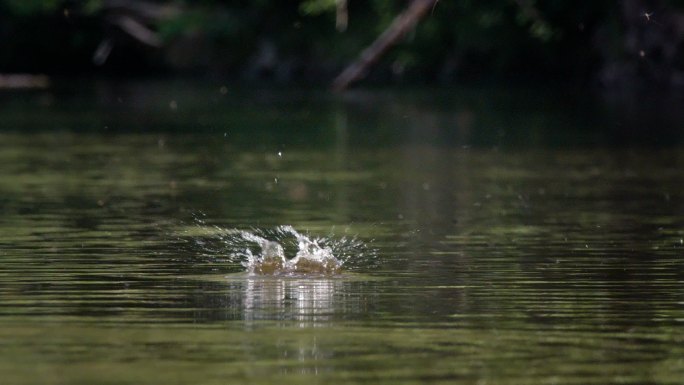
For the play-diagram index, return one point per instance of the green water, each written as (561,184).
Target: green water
(514,242)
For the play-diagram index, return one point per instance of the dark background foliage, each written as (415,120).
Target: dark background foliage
(603,42)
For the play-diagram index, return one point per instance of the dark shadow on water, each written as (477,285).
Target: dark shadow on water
(297,118)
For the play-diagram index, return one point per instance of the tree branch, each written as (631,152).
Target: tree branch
(400,26)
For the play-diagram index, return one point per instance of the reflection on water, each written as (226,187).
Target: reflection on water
(309,301)
(292,301)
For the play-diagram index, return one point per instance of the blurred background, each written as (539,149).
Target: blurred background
(629,43)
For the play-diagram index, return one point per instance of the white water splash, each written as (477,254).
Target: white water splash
(285,251)
(281,250)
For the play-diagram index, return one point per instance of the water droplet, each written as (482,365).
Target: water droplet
(173,105)
(265,251)
(280,153)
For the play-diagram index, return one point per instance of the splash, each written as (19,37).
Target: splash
(285,251)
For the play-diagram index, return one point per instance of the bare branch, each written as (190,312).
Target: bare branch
(400,26)
(143,9)
(137,29)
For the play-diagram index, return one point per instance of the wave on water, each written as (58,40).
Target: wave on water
(284,251)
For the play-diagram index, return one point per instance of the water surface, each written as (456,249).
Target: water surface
(495,260)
